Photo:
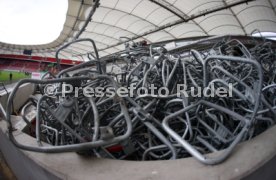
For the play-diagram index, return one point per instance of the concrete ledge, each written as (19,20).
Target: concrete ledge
(22,166)
(247,157)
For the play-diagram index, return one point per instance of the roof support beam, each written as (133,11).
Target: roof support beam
(270,3)
(170,8)
(117,27)
(236,17)
(203,13)
(89,18)
(164,4)
(126,13)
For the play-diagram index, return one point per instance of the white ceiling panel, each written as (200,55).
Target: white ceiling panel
(141,20)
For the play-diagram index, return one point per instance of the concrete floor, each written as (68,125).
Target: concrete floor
(266,172)
(256,156)
(5,172)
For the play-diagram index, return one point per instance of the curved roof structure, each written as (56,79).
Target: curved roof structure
(106,21)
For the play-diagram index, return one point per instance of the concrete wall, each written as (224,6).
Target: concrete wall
(245,160)
(21,96)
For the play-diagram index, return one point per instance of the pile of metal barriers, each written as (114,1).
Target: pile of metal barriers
(168,111)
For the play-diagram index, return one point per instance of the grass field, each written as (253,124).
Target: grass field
(5,75)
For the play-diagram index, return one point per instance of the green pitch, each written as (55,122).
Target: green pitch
(5,75)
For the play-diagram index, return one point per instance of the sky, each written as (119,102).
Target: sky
(31,22)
